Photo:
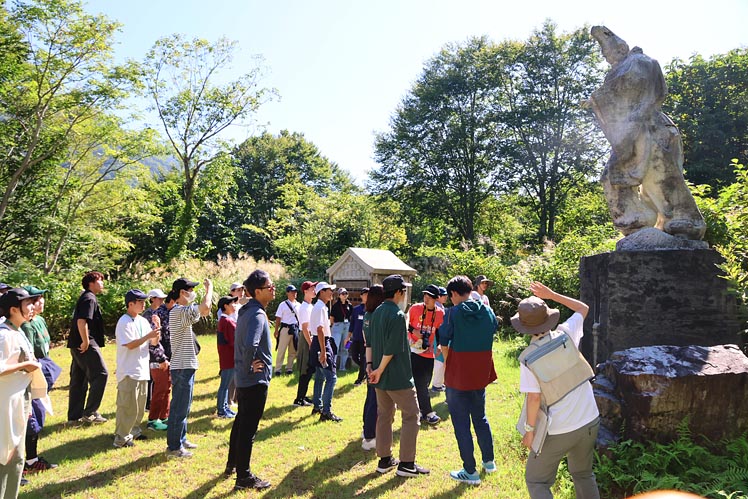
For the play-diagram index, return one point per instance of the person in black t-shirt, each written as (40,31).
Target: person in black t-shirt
(88,372)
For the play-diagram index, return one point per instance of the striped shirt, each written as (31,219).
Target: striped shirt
(183,347)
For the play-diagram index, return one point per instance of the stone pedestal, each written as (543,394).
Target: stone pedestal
(657,297)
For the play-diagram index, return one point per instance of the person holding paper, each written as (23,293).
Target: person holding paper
(574,420)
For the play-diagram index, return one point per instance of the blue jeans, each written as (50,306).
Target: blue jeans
(465,405)
(323,398)
(223,391)
(370,413)
(182,382)
(339,334)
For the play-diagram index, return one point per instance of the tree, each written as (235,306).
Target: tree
(708,101)
(66,80)
(181,77)
(551,143)
(440,155)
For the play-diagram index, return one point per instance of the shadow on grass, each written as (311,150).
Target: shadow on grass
(99,479)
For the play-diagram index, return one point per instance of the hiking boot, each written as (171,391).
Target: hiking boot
(369,444)
(122,445)
(316,410)
(411,470)
(156,425)
(301,403)
(489,467)
(41,464)
(328,416)
(386,464)
(180,452)
(251,482)
(465,477)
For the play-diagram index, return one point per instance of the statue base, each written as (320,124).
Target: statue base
(657,297)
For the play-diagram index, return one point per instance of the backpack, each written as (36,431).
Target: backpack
(558,365)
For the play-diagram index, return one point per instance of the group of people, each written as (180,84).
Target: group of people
(398,354)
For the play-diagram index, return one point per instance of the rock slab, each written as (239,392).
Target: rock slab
(649,391)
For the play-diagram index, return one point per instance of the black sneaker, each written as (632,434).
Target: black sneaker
(308,400)
(358,382)
(328,416)
(229,471)
(411,470)
(301,403)
(316,410)
(251,482)
(386,464)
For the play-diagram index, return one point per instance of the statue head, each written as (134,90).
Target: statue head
(613,47)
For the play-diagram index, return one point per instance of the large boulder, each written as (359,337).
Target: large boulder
(649,391)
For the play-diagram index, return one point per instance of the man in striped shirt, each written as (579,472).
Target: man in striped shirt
(184,349)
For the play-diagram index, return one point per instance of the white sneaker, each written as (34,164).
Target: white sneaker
(369,444)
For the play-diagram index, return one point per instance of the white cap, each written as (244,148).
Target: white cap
(236,285)
(156,293)
(323,285)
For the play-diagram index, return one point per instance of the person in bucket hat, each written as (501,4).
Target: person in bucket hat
(575,419)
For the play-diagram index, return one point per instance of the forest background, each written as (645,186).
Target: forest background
(489,165)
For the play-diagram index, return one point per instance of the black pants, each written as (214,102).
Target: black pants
(423,369)
(358,354)
(251,406)
(304,379)
(88,375)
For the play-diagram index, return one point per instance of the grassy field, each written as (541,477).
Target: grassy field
(300,456)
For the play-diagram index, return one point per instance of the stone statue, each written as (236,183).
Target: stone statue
(643,179)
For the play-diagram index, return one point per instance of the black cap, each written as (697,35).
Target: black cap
(442,291)
(394,282)
(134,295)
(364,291)
(225,300)
(13,298)
(432,290)
(182,283)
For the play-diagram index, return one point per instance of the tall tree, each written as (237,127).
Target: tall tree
(708,101)
(67,79)
(440,155)
(182,79)
(551,143)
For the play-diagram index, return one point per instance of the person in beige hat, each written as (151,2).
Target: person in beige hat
(575,419)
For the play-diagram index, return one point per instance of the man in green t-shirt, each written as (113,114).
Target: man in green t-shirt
(393,380)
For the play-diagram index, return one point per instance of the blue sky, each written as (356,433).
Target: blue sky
(341,67)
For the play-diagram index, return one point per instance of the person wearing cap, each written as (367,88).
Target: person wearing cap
(253,361)
(321,354)
(236,289)
(305,343)
(133,334)
(341,316)
(156,297)
(88,371)
(183,364)
(37,333)
(424,320)
(3,288)
(467,342)
(480,286)
(17,362)
(225,340)
(575,419)
(437,381)
(356,335)
(392,376)
(160,354)
(286,330)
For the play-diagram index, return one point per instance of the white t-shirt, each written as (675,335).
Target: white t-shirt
(320,316)
(305,312)
(287,314)
(183,348)
(576,409)
(474,295)
(132,363)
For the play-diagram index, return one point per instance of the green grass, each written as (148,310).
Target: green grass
(299,455)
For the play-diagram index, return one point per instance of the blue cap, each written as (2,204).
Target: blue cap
(442,291)
(134,295)
(290,288)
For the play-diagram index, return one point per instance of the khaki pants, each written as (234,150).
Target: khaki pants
(579,448)
(131,396)
(408,404)
(285,341)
